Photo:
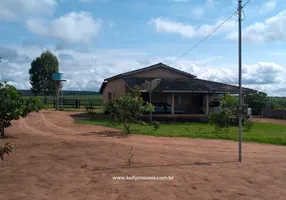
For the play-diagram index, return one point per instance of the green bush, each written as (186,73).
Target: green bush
(13,106)
(6,149)
(156,125)
(248,124)
(90,106)
(127,108)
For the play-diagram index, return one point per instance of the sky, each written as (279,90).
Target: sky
(96,39)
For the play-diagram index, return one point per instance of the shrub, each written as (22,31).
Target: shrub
(127,108)
(13,106)
(248,123)
(6,149)
(156,125)
(90,106)
(228,116)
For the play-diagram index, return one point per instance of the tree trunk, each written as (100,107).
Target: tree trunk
(45,100)
(2,129)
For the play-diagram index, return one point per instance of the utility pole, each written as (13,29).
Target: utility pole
(240,88)
(150,113)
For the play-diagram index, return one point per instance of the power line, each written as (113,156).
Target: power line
(204,38)
(245,3)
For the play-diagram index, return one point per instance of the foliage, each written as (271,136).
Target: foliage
(156,125)
(41,72)
(248,123)
(90,106)
(260,132)
(31,104)
(227,117)
(257,101)
(126,109)
(6,149)
(13,106)
(278,103)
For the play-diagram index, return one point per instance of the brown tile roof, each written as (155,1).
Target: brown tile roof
(187,85)
(158,65)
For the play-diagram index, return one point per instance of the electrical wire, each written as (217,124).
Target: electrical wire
(246,3)
(210,33)
(204,38)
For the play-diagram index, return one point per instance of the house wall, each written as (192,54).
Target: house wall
(160,73)
(115,87)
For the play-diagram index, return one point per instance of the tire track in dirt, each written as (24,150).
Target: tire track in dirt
(28,129)
(94,133)
(55,127)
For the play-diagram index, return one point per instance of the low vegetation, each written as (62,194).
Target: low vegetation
(260,132)
(13,106)
(127,108)
(5,150)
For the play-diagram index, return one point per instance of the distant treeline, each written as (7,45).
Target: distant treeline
(66,93)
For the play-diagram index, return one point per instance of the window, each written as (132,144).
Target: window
(109,95)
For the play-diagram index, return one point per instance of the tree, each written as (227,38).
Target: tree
(41,72)
(129,107)
(256,101)
(13,106)
(228,115)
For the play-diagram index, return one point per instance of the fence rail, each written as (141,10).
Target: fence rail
(271,113)
(70,102)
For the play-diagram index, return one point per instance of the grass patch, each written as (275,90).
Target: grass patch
(96,110)
(260,132)
(85,99)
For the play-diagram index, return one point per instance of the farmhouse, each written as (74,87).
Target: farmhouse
(178,91)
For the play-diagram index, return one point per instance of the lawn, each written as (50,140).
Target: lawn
(260,132)
(85,99)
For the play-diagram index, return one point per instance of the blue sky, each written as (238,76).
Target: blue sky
(95,39)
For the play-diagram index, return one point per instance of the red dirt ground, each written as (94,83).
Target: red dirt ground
(59,160)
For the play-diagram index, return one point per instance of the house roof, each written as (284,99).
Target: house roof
(158,65)
(187,85)
(102,87)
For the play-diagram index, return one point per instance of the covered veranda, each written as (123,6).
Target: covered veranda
(186,97)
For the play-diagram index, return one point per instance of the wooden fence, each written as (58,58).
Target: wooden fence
(271,113)
(70,103)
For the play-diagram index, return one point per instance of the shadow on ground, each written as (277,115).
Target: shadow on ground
(117,134)
(164,165)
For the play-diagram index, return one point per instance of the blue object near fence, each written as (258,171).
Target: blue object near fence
(58,76)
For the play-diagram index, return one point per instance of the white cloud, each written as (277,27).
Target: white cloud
(190,31)
(86,70)
(72,28)
(268,6)
(272,29)
(17,9)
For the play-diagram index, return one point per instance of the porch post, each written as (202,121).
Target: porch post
(207,104)
(173,103)
(242,99)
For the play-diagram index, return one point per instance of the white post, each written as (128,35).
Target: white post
(173,103)
(207,105)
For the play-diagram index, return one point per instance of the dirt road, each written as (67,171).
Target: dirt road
(57,159)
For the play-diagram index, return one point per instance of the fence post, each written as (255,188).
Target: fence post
(54,103)
(79,103)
